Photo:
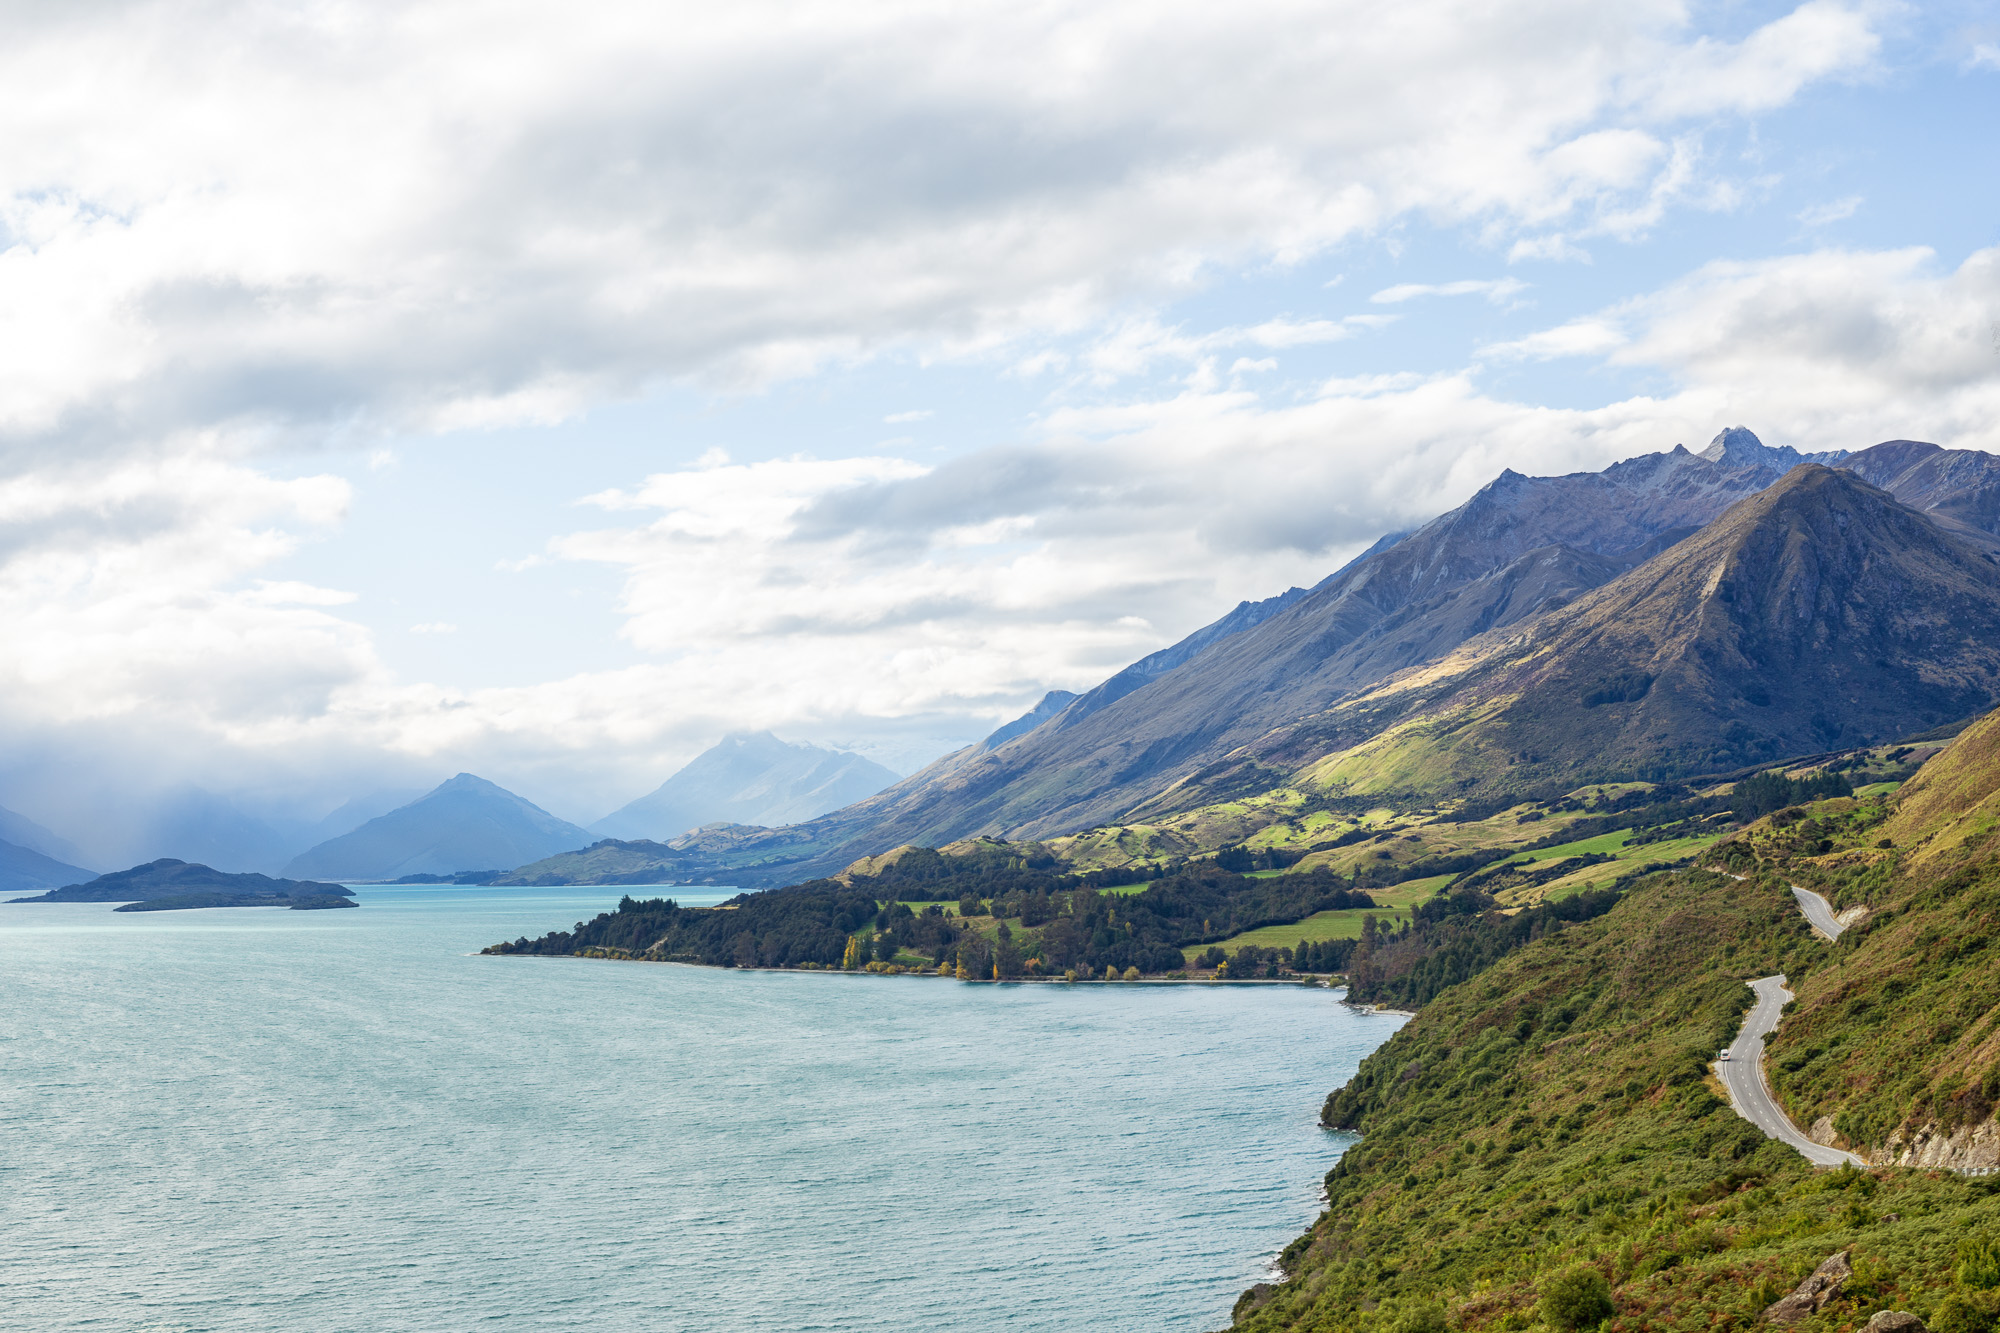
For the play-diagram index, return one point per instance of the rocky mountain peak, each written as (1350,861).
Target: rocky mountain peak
(1738,446)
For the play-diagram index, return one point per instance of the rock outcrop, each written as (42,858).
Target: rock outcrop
(1812,1295)
(1895,1321)
(1930,1148)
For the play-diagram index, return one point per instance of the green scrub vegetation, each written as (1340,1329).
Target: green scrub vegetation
(1544,1144)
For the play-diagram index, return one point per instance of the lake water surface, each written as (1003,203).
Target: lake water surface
(263,1119)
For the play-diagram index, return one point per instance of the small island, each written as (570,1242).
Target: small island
(168,885)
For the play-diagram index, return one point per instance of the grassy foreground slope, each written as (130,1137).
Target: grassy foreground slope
(1893,1048)
(1557,1110)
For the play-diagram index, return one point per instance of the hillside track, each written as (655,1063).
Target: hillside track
(1741,1068)
(1742,1074)
(1819,912)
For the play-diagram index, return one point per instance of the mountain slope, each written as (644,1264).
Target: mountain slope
(749,778)
(24,868)
(1893,1052)
(1517,548)
(1818,613)
(1952,803)
(1555,1113)
(466,823)
(1520,548)
(25,832)
(1959,489)
(1555,1110)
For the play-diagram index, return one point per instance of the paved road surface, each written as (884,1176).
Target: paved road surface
(1818,911)
(1743,1074)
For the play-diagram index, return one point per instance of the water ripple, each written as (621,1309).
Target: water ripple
(264,1119)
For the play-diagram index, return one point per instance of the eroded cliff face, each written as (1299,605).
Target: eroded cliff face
(1928,1147)
(1924,1147)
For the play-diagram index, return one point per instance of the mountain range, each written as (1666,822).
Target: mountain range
(1673,613)
(1227,710)
(748,778)
(1815,615)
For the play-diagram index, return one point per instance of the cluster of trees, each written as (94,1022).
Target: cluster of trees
(785,928)
(1451,938)
(1242,860)
(1075,927)
(1254,961)
(1757,796)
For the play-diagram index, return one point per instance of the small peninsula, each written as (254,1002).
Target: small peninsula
(168,885)
(984,912)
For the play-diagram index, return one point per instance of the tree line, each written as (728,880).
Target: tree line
(1014,919)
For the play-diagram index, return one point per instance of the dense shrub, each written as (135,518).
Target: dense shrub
(1575,1298)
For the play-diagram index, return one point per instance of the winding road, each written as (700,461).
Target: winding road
(1742,1067)
(1818,911)
(1743,1075)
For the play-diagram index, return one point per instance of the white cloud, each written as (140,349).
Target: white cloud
(1554,247)
(1834,210)
(831,595)
(434,627)
(337,216)
(236,229)
(1766,69)
(1493,289)
(1592,336)
(1984,55)
(1136,345)
(1834,348)
(1858,343)
(132,591)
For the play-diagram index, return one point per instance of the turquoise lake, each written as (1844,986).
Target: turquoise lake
(263,1119)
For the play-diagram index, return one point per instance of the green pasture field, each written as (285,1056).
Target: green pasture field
(1341,925)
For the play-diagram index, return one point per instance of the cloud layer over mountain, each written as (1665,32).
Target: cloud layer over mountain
(237,240)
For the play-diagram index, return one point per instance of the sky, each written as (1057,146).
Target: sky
(546,390)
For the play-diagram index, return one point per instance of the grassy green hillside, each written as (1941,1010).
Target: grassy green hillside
(1894,1047)
(1556,1112)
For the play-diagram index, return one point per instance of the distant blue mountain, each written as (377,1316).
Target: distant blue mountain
(748,778)
(25,832)
(352,814)
(205,828)
(23,868)
(466,823)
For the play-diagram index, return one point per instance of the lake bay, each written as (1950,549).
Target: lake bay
(255,1118)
